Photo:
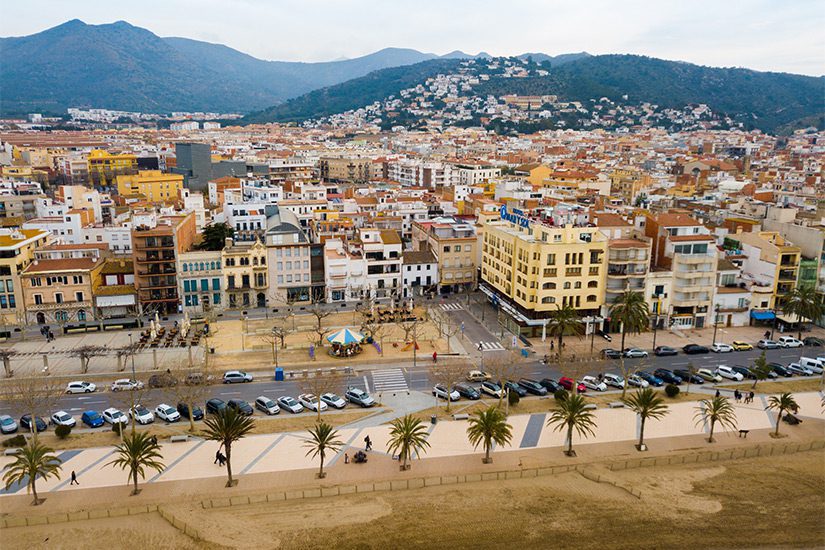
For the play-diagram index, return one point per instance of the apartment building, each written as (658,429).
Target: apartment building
(345,272)
(152,185)
(17,248)
(200,280)
(288,259)
(104,167)
(381,249)
(770,260)
(245,274)
(350,169)
(473,174)
(453,243)
(419,273)
(114,291)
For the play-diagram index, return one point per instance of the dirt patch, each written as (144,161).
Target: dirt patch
(772,387)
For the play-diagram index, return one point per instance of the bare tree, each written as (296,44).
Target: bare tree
(210,329)
(5,355)
(447,327)
(371,326)
(191,389)
(448,375)
(319,383)
(504,366)
(276,338)
(124,353)
(319,312)
(36,395)
(412,327)
(85,354)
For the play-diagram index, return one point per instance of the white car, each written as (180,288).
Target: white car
(634,353)
(613,380)
(789,342)
(80,386)
(289,403)
(310,402)
(638,381)
(333,400)
(267,405)
(113,416)
(141,414)
(167,413)
(592,383)
(477,376)
(814,365)
(709,375)
(492,389)
(124,384)
(62,418)
(727,372)
(721,348)
(441,392)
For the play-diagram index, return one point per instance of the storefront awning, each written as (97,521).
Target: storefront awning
(763,315)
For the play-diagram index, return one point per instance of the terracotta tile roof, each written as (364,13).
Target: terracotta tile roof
(675,220)
(64,264)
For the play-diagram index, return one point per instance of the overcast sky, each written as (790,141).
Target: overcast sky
(775,35)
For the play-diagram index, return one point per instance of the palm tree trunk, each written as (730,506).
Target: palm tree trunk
(570,439)
(624,333)
(228,446)
(321,471)
(642,433)
(135,478)
(487,446)
(778,421)
(712,424)
(624,372)
(191,418)
(34,491)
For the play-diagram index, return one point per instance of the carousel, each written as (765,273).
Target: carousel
(345,343)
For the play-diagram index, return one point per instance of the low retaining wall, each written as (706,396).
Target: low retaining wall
(83,515)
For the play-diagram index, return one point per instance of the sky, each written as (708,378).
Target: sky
(768,35)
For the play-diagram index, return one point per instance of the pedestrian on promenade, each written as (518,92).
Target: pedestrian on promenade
(217,456)
(368,443)
(718,394)
(552,345)
(346,458)
(750,397)
(221,459)
(74,479)
(435,357)
(737,395)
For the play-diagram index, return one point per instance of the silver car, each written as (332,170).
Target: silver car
(290,404)
(7,424)
(266,405)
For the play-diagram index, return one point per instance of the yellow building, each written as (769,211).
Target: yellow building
(628,183)
(534,173)
(530,270)
(16,252)
(103,166)
(770,261)
(152,184)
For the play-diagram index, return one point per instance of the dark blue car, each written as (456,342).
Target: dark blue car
(92,419)
(667,376)
(649,378)
(26,423)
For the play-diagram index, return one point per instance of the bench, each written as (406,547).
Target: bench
(14,451)
(743,433)
(590,407)
(616,405)
(461,416)
(179,438)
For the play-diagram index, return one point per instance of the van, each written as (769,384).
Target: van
(812,364)
(789,342)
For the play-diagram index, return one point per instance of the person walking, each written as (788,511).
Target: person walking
(368,443)
(718,394)
(346,458)
(74,479)
(751,395)
(552,345)
(435,357)
(218,456)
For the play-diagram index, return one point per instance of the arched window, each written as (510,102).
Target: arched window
(81,315)
(185,267)
(577,284)
(548,286)
(593,284)
(202,266)
(548,300)
(567,285)
(591,297)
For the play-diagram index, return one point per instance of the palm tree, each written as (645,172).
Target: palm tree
(631,312)
(571,413)
(488,427)
(565,320)
(717,409)
(34,460)
(783,403)
(323,439)
(647,404)
(407,436)
(805,303)
(137,452)
(228,426)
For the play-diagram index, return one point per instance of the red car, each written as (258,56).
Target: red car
(567,383)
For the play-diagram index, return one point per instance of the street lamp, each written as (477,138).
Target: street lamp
(715,321)
(656,306)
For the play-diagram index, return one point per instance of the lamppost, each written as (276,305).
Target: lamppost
(715,321)
(656,306)
(132,393)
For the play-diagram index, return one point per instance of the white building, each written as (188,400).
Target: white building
(419,273)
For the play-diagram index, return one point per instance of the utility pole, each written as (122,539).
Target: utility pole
(656,306)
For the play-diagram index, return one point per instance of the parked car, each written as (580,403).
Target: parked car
(728,372)
(789,342)
(477,376)
(80,386)
(290,404)
(613,380)
(215,405)
(779,370)
(739,345)
(511,386)
(767,344)
(7,424)
(242,407)
(593,383)
(197,412)
(167,413)
(637,381)
(359,397)
(162,380)
(267,405)
(311,403)
(709,375)
(466,390)
(650,378)
(550,385)
(719,347)
(689,377)
(124,384)
(744,371)
(798,370)
(569,384)
(695,349)
(610,353)
(236,377)
(333,400)
(634,353)
(491,388)
(62,418)
(664,351)
(141,414)
(39,423)
(115,416)
(532,386)
(813,365)
(813,341)
(196,379)
(90,418)
(440,391)
(668,377)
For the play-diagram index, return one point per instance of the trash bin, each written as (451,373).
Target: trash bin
(279,374)
(433,419)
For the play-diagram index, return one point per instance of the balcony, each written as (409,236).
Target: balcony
(625,271)
(787,275)
(573,272)
(62,305)
(694,259)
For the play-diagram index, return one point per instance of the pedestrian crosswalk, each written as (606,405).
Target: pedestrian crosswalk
(388,380)
(452,307)
(489,346)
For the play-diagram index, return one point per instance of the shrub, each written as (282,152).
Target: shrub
(62,431)
(117,427)
(512,398)
(671,390)
(17,441)
(560,395)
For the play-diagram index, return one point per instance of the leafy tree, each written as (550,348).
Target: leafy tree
(135,453)
(571,414)
(323,438)
(215,235)
(407,436)
(228,426)
(564,320)
(35,460)
(760,369)
(804,302)
(780,404)
(715,410)
(489,426)
(646,403)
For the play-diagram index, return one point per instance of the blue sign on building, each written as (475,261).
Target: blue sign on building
(516,216)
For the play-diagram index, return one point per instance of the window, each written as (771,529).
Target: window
(204,285)
(446,249)
(577,284)
(280,279)
(216,284)
(457,248)
(81,315)
(548,300)
(78,296)
(77,279)
(567,285)
(38,299)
